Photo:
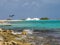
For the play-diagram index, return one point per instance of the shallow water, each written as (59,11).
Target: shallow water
(39,24)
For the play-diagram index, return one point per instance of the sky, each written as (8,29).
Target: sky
(30,9)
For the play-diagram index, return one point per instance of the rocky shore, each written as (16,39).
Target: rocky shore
(9,37)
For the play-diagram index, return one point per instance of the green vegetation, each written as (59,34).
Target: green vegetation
(45,18)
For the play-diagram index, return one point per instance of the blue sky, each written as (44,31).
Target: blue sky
(29,8)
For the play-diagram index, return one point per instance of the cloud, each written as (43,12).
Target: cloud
(27,3)
(31,4)
(38,3)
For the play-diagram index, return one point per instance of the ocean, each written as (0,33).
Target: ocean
(33,24)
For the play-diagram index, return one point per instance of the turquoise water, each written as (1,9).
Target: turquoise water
(40,24)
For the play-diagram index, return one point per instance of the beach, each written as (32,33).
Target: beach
(7,37)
